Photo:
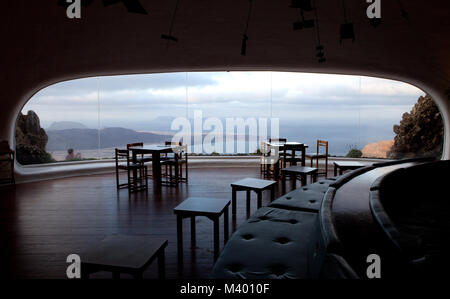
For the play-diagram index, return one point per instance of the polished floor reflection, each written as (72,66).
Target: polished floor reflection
(43,222)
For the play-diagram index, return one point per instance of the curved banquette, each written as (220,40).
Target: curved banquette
(397,210)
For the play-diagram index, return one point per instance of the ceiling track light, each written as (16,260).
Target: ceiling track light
(347,30)
(245,36)
(169,37)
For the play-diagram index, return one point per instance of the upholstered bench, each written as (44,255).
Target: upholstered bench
(307,198)
(264,247)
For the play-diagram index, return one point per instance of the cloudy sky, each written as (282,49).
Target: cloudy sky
(133,101)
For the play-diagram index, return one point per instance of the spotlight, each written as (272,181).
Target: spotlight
(302,4)
(320,54)
(347,31)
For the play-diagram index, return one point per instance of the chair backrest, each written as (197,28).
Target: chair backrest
(122,154)
(277,140)
(290,149)
(324,144)
(135,144)
(182,152)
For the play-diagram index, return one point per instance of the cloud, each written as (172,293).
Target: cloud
(243,94)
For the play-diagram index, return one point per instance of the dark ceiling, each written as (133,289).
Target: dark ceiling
(42,46)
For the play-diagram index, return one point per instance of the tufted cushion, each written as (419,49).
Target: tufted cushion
(307,198)
(272,244)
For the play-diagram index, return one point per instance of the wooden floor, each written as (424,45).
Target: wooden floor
(43,222)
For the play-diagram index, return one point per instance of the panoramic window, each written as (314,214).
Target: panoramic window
(360,117)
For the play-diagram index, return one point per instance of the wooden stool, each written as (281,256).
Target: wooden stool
(346,165)
(212,208)
(124,254)
(294,172)
(251,184)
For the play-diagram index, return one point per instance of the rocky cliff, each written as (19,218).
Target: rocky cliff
(31,140)
(420,132)
(377,149)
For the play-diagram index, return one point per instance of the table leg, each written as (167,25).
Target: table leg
(304,156)
(248,202)
(272,193)
(283,183)
(233,202)
(162,264)
(294,181)
(341,170)
(277,169)
(193,241)
(259,199)
(216,238)
(156,168)
(180,239)
(225,225)
(304,177)
(335,169)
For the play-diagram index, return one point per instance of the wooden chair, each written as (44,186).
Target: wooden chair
(290,154)
(267,160)
(141,158)
(7,161)
(318,155)
(174,164)
(137,177)
(280,150)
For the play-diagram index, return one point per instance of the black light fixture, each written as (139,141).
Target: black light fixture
(169,37)
(403,11)
(244,45)
(320,49)
(303,23)
(245,36)
(320,53)
(347,30)
(133,6)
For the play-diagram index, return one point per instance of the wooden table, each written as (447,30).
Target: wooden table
(280,146)
(155,151)
(124,254)
(251,184)
(346,165)
(212,208)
